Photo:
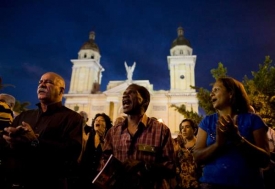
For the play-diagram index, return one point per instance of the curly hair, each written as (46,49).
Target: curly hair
(107,120)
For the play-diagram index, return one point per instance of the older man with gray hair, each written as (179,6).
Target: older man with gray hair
(9,99)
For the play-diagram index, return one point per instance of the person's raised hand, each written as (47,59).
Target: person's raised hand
(228,125)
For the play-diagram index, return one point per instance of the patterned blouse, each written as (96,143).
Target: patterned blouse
(186,168)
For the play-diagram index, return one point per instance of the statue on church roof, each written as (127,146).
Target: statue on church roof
(130,70)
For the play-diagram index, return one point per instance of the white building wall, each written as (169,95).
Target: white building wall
(87,71)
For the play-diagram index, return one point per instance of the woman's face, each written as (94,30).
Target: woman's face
(220,97)
(100,124)
(187,130)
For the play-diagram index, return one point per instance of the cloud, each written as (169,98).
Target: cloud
(33,70)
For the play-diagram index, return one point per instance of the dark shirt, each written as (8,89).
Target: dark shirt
(87,129)
(90,160)
(60,137)
(91,156)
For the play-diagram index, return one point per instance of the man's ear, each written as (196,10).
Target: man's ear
(61,90)
(12,105)
(145,103)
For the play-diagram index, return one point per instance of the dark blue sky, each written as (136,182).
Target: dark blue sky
(40,36)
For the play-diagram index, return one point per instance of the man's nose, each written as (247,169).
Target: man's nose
(42,83)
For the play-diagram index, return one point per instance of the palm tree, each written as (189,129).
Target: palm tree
(20,107)
(4,85)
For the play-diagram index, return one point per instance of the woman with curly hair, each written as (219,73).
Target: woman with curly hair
(92,153)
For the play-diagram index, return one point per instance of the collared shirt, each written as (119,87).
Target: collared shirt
(151,143)
(59,131)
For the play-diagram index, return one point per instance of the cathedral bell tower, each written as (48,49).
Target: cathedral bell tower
(86,70)
(181,64)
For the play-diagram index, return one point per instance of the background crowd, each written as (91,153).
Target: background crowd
(54,147)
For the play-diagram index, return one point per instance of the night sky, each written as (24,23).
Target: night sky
(37,36)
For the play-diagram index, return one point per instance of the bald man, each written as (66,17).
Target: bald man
(45,141)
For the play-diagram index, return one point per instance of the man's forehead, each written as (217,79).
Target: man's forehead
(133,88)
(130,87)
(48,77)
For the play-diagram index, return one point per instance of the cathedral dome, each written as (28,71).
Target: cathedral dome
(90,44)
(180,39)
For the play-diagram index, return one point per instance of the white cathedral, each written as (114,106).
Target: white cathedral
(86,78)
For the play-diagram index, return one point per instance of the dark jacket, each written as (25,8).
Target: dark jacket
(48,164)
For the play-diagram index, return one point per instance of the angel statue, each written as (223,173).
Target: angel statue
(130,70)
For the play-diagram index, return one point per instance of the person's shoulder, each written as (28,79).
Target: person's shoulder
(249,116)
(28,111)
(64,108)
(26,114)
(253,120)
(153,122)
(116,127)
(208,122)
(210,117)
(70,112)
(4,105)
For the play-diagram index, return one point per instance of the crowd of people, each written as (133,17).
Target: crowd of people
(53,147)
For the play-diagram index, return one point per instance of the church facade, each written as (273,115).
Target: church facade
(84,93)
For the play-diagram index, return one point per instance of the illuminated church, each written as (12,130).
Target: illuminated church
(84,93)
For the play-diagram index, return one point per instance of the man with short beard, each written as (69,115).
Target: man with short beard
(46,141)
